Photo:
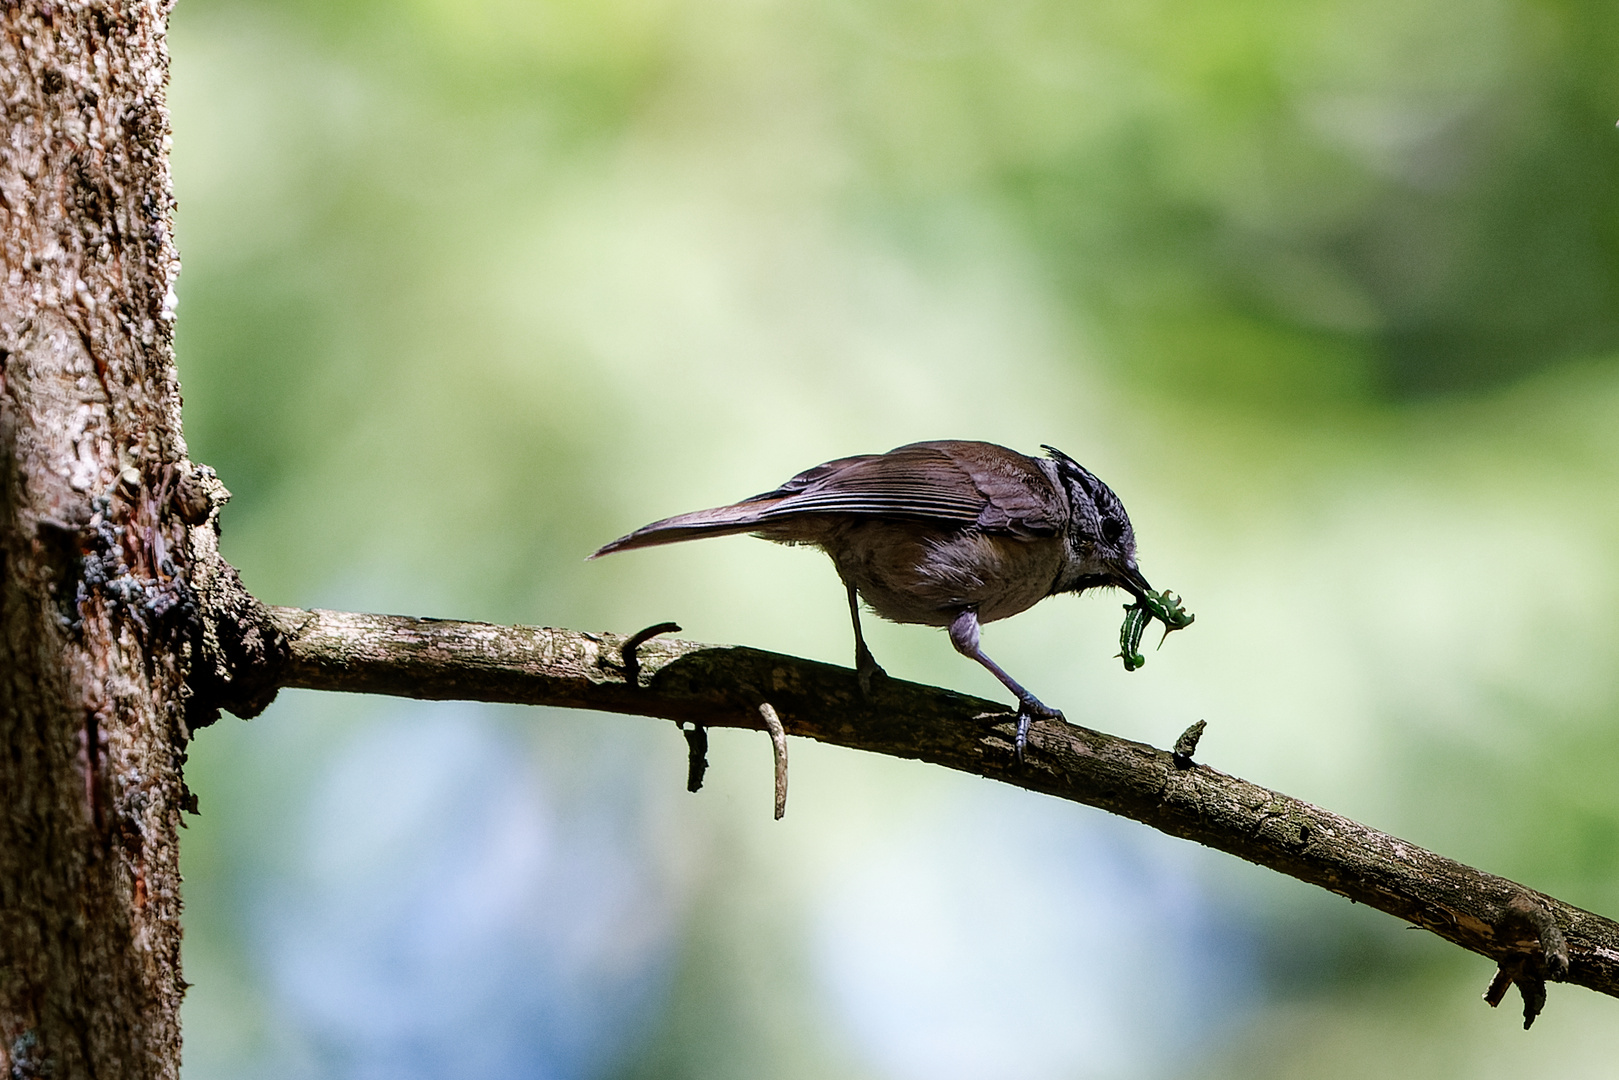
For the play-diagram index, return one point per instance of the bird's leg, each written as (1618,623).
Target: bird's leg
(964,636)
(865,665)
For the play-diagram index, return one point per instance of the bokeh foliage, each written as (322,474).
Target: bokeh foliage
(1326,290)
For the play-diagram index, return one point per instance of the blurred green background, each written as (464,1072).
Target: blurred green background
(1328,291)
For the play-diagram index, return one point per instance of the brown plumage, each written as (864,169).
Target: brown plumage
(947,533)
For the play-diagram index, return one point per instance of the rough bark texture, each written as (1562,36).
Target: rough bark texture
(1532,936)
(94,611)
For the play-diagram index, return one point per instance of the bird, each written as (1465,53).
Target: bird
(949,533)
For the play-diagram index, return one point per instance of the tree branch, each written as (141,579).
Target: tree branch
(1533,937)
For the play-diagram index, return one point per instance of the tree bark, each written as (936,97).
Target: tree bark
(95,613)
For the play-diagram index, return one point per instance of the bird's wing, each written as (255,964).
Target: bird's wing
(969,483)
(965,483)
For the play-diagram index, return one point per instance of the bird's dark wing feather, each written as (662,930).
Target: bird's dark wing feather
(968,483)
(953,482)
(809,477)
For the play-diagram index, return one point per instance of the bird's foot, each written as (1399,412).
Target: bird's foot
(866,668)
(1028,709)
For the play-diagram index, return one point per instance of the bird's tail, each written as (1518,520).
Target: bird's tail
(740,517)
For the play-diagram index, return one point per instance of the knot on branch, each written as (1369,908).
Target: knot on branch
(1538,952)
(239,655)
(1186,745)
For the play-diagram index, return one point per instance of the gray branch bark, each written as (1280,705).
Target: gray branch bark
(1531,936)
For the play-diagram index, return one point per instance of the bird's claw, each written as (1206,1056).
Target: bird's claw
(1027,711)
(866,668)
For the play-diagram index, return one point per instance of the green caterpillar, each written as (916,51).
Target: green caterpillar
(1163,606)
(1136,617)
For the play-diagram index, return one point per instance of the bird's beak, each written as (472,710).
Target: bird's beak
(1129,577)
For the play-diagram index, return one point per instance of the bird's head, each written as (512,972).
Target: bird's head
(1102,545)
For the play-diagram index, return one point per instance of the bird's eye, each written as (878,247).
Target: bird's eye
(1112,529)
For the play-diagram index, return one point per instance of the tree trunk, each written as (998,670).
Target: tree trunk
(94,605)
(121,630)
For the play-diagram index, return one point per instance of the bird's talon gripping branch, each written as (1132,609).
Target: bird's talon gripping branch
(866,667)
(1028,710)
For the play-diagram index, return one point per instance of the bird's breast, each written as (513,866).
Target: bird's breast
(913,572)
